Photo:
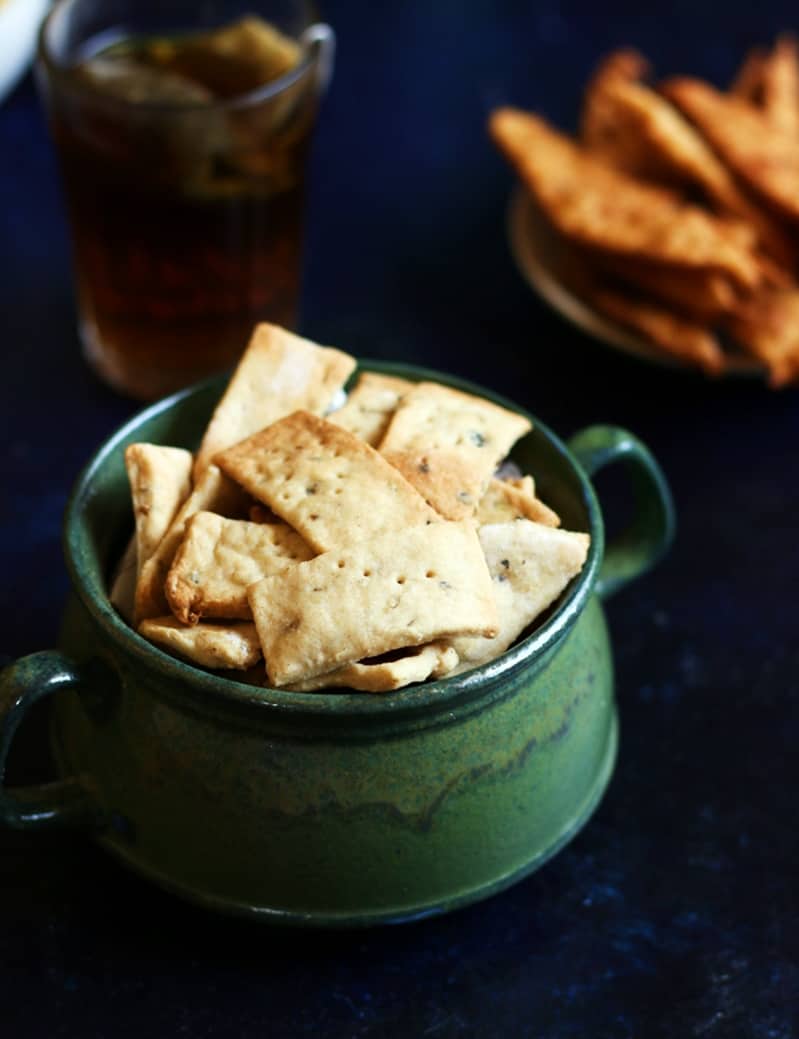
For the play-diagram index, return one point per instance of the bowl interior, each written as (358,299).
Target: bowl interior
(100,518)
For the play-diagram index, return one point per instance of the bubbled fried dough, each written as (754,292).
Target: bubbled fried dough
(435,660)
(370,405)
(160,481)
(405,588)
(216,646)
(220,558)
(448,444)
(324,482)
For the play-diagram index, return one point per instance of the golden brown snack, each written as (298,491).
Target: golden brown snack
(213,493)
(435,660)
(448,444)
(676,153)
(748,82)
(324,482)
(767,326)
(530,565)
(504,502)
(780,85)
(594,205)
(762,155)
(218,646)
(370,405)
(278,374)
(220,558)
(160,481)
(404,588)
(679,337)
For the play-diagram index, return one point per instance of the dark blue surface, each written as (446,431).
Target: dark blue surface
(676,912)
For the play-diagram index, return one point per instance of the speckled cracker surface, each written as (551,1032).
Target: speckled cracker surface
(218,646)
(325,482)
(214,492)
(530,565)
(220,558)
(382,676)
(504,501)
(370,405)
(160,481)
(448,444)
(406,588)
(278,373)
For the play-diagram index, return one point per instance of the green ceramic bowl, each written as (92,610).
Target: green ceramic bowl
(342,808)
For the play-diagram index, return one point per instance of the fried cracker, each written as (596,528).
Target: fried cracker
(594,205)
(213,493)
(435,660)
(278,373)
(780,85)
(503,502)
(370,405)
(324,481)
(218,646)
(448,444)
(679,337)
(220,558)
(404,588)
(748,82)
(677,152)
(767,326)
(160,481)
(762,155)
(530,565)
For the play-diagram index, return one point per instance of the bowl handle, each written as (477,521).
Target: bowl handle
(67,802)
(652,528)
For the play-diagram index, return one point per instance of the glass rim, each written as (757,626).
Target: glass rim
(314,39)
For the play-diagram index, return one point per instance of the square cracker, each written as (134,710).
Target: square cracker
(324,481)
(214,493)
(504,501)
(370,405)
(406,588)
(530,565)
(218,646)
(220,558)
(278,373)
(447,444)
(435,660)
(160,481)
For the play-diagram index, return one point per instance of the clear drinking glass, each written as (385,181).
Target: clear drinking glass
(184,182)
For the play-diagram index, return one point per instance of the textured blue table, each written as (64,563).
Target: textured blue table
(676,911)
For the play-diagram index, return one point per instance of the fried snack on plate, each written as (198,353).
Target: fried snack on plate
(703,296)
(214,492)
(678,154)
(448,444)
(504,502)
(370,405)
(160,481)
(682,339)
(530,565)
(218,646)
(767,326)
(405,588)
(220,558)
(279,373)
(382,675)
(762,155)
(597,206)
(748,82)
(324,481)
(780,85)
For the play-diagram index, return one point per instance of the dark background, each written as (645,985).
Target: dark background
(675,912)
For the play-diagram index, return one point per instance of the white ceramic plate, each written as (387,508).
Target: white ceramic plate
(542,257)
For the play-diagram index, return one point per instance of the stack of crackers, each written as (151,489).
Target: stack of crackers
(368,547)
(679,206)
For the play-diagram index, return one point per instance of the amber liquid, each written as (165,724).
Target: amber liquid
(173,270)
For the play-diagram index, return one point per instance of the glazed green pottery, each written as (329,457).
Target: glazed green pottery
(337,808)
